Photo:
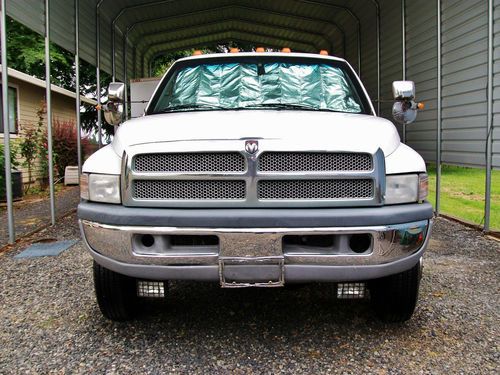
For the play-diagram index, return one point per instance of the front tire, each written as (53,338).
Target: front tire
(394,297)
(116,294)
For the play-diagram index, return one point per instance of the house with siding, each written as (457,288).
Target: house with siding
(26,97)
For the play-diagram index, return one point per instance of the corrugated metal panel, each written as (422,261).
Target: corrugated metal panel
(62,24)
(367,16)
(391,52)
(465,41)
(87,31)
(496,85)
(421,67)
(30,13)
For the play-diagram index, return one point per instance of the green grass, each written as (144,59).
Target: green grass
(462,193)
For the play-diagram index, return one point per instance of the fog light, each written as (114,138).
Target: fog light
(351,290)
(152,289)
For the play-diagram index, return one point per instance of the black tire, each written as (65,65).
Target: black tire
(116,294)
(394,297)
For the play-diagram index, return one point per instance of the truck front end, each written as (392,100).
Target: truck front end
(257,170)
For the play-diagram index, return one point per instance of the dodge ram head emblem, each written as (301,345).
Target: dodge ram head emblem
(251,147)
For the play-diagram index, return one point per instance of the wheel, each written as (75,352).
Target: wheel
(116,294)
(394,297)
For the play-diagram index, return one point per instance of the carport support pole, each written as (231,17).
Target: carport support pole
(5,121)
(403,50)
(125,75)
(98,73)
(359,49)
(48,98)
(489,134)
(77,84)
(439,110)
(113,51)
(377,11)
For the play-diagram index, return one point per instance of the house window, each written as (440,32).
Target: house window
(12,110)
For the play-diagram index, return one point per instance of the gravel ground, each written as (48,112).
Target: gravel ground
(50,323)
(32,214)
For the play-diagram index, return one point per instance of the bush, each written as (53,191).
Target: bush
(64,135)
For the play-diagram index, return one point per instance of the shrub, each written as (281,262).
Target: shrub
(64,135)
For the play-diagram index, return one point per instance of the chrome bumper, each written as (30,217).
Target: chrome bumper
(262,252)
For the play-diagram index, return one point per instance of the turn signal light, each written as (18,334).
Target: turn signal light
(420,105)
(234,50)
(286,50)
(323,52)
(259,49)
(197,52)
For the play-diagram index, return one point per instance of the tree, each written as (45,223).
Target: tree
(26,53)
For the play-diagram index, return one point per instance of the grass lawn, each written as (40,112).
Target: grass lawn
(462,193)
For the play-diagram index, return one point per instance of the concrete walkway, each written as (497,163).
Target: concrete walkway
(30,215)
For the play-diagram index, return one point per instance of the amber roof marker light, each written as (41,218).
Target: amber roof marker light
(197,52)
(323,52)
(286,50)
(234,50)
(260,49)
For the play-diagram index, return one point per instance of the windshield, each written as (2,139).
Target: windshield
(256,85)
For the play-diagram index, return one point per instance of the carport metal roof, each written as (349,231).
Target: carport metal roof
(123,37)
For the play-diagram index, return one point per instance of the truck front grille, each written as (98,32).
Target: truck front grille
(236,178)
(315,189)
(200,162)
(189,189)
(314,162)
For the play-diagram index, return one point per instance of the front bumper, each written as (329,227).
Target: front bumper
(254,255)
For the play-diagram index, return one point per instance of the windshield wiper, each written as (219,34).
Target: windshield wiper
(283,106)
(181,107)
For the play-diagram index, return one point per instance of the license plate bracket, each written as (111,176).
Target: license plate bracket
(245,272)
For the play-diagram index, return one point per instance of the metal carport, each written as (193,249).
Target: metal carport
(445,46)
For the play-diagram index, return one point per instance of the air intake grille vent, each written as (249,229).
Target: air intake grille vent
(315,189)
(314,162)
(189,190)
(190,162)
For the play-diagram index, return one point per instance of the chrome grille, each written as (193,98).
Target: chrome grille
(190,162)
(189,189)
(314,161)
(315,189)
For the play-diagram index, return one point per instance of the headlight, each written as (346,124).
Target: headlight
(101,188)
(406,188)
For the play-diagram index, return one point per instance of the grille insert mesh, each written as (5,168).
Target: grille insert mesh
(315,189)
(189,189)
(314,161)
(190,162)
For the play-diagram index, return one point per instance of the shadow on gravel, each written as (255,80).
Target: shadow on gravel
(194,310)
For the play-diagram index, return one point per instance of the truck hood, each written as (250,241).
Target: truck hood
(309,129)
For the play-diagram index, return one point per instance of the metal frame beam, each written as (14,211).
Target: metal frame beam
(98,71)
(77,86)
(240,20)
(403,51)
(489,125)
(48,100)
(439,111)
(189,42)
(131,27)
(5,121)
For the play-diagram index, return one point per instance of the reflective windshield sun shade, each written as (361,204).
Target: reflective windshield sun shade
(240,85)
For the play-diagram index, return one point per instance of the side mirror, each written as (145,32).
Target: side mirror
(405,109)
(403,90)
(113,110)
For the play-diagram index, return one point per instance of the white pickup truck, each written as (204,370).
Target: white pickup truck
(257,170)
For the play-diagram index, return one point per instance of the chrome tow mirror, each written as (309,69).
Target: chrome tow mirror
(113,109)
(405,108)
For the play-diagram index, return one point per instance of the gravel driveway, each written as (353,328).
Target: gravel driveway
(50,323)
